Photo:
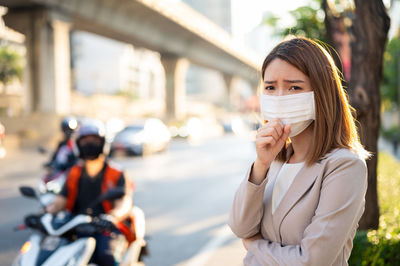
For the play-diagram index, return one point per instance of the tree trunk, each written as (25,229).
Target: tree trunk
(330,26)
(369,30)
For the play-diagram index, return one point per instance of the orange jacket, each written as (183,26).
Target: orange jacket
(111,176)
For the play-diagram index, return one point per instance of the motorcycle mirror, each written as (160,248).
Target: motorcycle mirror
(42,150)
(28,192)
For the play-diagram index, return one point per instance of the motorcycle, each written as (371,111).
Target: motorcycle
(67,240)
(53,177)
(50,184)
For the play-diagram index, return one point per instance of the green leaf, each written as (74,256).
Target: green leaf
(10,65)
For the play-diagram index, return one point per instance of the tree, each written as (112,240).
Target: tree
(366,25)
(10,66)
(309,22)
(369,31)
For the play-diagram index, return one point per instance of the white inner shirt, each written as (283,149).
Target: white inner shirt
(283,181)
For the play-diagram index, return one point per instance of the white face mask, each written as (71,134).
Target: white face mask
(298,110)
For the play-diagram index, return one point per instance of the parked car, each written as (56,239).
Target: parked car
(141,138)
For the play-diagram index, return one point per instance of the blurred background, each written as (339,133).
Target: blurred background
(175,83)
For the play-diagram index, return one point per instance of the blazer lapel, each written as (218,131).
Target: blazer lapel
(301,183)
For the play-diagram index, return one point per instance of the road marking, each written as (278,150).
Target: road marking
(222,235)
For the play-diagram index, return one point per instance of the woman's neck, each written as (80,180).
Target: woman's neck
(93,167)
(301,145)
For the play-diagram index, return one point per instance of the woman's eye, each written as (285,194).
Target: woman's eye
(269,88)
(295,88)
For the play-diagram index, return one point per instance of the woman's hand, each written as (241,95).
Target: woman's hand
(270,139)
(248,241)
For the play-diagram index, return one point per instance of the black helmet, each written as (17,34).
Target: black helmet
(68,125)
(94,128)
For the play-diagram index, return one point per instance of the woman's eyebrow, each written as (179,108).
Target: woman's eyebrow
(286,80)
(294,81)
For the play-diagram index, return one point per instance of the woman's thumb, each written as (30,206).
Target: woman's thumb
(286,132)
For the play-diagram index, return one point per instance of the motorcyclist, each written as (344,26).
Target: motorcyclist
(64,157)
(86,181)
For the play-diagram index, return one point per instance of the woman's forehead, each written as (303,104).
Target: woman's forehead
(280,69)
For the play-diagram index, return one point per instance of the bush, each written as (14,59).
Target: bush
(382,246)
(10,65)
(389,134)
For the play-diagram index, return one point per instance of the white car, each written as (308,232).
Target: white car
(146,137)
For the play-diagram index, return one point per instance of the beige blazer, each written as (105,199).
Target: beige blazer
(315,222)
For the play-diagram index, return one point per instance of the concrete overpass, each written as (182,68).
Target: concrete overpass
(175,30)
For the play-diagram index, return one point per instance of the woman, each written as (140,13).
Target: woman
(301,201)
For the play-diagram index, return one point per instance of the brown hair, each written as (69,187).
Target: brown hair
(334,125)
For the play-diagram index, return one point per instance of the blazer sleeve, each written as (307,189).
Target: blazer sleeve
(336,218)
(247,208)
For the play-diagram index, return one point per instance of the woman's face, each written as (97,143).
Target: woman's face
(281,78)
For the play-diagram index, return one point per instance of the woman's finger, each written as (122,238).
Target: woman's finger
(265,140)
(278,128)
(268,132)
(266,129)
(277,123)
(285,134)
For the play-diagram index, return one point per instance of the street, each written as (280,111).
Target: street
(185,192)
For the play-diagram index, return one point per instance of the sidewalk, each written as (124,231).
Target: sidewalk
(20,161)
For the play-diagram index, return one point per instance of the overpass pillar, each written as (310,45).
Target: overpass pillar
(175,80)
(231,99)
(48,70)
